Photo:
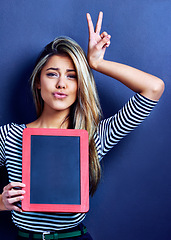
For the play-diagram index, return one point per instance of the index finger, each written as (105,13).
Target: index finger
(15,185)
(99,23)
(90,25)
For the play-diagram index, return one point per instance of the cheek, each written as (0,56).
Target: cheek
(76,87)
(75,92)
(44,89)
(44,84)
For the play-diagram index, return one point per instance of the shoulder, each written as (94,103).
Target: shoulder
(5,129)
(8,126)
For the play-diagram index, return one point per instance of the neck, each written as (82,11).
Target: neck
(54,119)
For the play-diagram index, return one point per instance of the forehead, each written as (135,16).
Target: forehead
(60,61)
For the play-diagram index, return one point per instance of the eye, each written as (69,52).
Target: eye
(72,76)
(52,74)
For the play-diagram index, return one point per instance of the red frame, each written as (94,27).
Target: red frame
(84,170)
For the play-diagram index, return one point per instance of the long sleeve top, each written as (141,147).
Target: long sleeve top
(109,132)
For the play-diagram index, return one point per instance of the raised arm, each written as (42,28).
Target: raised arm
(138,81)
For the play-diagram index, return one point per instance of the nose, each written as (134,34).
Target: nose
(61,83)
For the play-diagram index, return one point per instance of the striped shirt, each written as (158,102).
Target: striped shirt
(110,131)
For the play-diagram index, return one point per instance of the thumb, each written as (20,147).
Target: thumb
(103,42)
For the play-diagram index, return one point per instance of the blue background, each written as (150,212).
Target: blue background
(133,199)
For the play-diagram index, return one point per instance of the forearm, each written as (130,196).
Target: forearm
(138,81)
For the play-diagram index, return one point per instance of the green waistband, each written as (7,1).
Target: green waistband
(53,235)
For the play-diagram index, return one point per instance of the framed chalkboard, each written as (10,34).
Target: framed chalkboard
(55,169)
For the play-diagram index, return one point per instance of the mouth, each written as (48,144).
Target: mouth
(59,95)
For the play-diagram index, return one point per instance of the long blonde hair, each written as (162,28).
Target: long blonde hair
(86,111)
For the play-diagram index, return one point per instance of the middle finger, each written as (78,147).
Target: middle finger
(13,193)
(99,23)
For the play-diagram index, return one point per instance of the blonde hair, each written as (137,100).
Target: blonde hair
(86,111)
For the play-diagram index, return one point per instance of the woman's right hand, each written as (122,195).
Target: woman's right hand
(97,42)
(12,193)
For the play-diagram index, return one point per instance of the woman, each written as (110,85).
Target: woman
(65,96)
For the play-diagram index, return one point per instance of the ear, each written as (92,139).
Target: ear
(38,85)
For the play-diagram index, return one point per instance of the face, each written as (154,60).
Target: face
(58,84)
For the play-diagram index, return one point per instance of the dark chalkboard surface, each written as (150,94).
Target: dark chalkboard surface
(55,170)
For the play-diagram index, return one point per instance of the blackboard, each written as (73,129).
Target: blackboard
(55,170)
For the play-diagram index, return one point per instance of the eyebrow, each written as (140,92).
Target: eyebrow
(57,69)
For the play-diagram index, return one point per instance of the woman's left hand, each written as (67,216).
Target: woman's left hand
(97,42)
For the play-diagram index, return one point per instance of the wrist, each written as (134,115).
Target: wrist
(96,65)
(2,206)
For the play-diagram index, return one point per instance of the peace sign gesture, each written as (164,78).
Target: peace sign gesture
(97,42)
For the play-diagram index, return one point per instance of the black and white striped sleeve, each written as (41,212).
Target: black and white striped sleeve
(113,129)
(3,133)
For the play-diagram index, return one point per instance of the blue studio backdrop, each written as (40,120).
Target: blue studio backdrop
(133,198)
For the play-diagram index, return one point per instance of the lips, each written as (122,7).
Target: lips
(59,95)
